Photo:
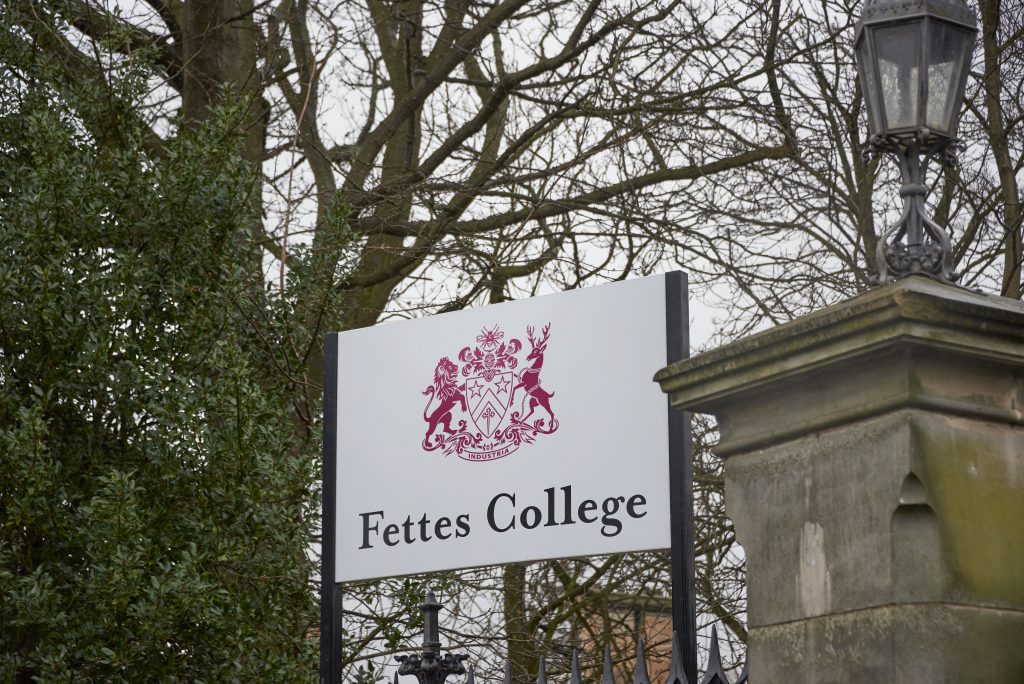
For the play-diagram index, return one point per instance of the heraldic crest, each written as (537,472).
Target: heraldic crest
(483,408)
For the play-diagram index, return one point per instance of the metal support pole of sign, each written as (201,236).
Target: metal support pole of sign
(330,593)
(680,449)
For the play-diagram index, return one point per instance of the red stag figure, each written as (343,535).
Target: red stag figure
(529,380)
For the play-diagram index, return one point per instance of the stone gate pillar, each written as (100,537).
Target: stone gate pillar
(874,462)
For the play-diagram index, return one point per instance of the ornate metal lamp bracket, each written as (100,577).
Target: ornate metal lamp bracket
(428,666)
(915,244)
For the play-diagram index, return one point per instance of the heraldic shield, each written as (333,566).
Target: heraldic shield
(476,418)
(489,400)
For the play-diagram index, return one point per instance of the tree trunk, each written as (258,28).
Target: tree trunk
(522,656)
(220,63)
(1013,249)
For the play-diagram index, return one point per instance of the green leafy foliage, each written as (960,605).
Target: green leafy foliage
(157,504)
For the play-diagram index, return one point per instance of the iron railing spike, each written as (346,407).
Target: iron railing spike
(508,672)
(574,674)
(395,679)
(470,679)
(676,674)
(607,677)
(715,673)
(542,672)
(640,675)
(743,675)
(715,654)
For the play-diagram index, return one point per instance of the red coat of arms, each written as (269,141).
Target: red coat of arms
(488,409)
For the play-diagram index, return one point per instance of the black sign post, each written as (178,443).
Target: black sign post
(330,593)
(680,453)
(680,448)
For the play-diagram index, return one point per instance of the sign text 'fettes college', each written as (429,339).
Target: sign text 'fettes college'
(503,515)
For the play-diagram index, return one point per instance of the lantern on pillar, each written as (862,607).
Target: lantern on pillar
(913,58)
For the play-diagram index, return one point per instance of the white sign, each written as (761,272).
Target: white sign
(520,431)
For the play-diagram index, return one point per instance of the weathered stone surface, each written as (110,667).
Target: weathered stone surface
(917,644)
(875,474)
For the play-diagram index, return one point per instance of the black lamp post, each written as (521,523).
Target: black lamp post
(913,57)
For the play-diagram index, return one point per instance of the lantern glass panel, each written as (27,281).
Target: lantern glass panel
(947,53)
(899,54)
(869,84)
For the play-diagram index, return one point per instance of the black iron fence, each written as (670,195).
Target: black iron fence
(429,666)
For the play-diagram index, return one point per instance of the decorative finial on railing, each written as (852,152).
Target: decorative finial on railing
(676,675)
(715,673)
(431,629)
(640,675)
(542,672)
(508,673)
(429,667)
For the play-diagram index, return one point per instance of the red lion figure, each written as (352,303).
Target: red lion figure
(449,394)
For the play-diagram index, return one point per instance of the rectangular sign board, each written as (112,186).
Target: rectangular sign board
(521,431)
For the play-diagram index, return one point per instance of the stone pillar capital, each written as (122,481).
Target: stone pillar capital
(913,343)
